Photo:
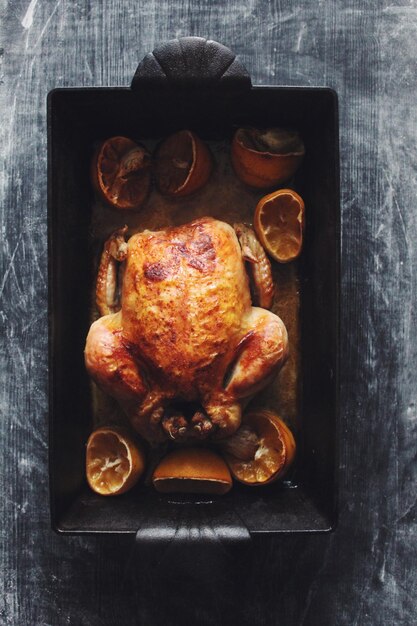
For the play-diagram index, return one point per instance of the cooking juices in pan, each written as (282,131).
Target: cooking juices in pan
(183,385)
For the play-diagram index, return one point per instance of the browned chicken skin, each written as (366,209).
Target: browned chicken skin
(187,348)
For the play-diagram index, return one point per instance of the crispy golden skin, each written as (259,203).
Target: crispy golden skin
(186,332)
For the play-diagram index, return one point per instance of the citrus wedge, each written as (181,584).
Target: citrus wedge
(192,470)
(263,158)
(183,164)
(121,173)
(279,224)
(114,462)
(261,451)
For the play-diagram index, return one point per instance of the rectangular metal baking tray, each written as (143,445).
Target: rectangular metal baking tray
(197,84)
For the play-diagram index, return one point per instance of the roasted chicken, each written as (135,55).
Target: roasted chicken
(183,349)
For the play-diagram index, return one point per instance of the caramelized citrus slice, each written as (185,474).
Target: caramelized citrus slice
(192,470)
(121,173)
(183,164)
(264,158)
(114,463)
(279,224)
(262,449)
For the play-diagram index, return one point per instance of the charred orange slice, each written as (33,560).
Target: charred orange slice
(121,173)
(261,451)
(192,470)
(279,224)
(264,158)
(114,462)
(183,164)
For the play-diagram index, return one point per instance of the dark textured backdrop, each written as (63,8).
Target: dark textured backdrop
(365,573)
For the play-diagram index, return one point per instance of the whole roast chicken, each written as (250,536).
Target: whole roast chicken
(182,348)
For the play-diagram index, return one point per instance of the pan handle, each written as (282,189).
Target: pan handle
(196,540)
(189,523)
(191,63)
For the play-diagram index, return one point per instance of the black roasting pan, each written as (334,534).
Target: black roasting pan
(198,84)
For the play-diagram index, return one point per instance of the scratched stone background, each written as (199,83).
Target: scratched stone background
(365,573)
